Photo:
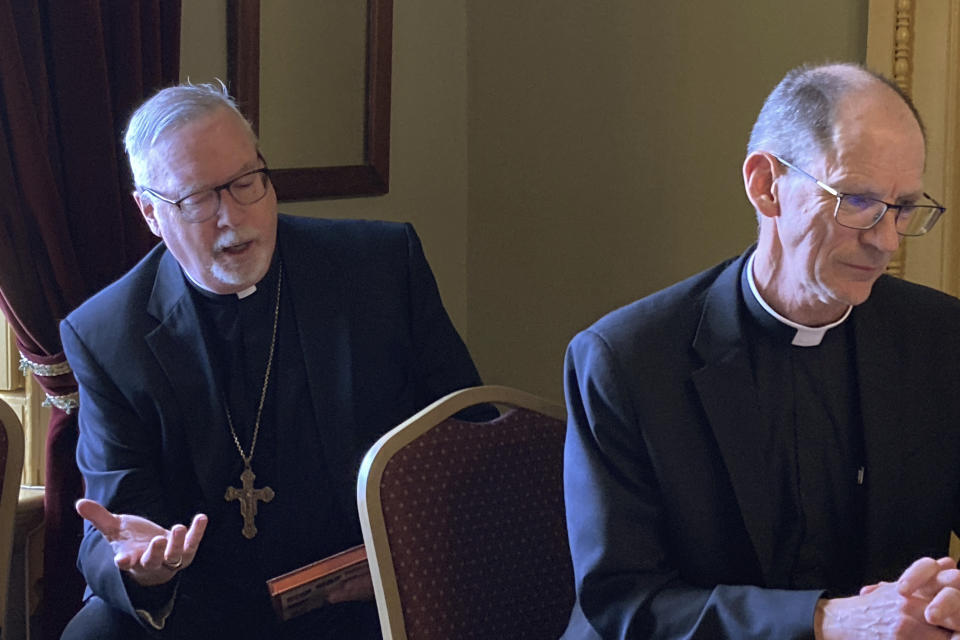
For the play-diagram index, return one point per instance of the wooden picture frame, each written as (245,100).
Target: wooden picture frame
(372,177)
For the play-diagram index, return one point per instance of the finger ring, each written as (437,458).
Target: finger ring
(173,565)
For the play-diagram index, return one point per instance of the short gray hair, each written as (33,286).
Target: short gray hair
(168,110)
(797,118)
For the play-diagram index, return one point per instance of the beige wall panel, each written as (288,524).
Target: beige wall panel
(428,144)
(605,144)
(312,82)
(203,40)
(925,255)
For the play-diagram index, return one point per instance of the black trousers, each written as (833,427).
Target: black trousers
(351,620)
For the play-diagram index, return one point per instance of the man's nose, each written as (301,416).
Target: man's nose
(883,235)
(230,212)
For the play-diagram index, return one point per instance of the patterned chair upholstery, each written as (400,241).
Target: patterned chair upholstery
(11,466)
(464,522)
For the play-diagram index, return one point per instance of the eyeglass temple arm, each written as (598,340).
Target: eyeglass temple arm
(823,186)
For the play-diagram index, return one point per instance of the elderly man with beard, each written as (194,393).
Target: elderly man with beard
(230,384)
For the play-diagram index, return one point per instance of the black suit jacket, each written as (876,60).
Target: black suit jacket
(377,347)
(668,509)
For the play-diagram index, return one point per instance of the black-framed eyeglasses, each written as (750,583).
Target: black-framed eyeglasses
(862,212)
(202,205)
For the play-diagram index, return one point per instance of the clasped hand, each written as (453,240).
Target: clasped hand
(923,604)
(150,554)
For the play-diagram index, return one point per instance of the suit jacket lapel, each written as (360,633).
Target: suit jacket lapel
(179,347)
(729,397)
(321,309)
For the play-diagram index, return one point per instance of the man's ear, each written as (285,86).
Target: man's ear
(760,181)
(145,204)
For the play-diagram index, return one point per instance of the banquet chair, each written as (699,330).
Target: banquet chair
(464,522)
(11,466)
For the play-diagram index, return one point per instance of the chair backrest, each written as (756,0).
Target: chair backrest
(11,466)
(464,522)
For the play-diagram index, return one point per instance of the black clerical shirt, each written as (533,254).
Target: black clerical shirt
(808,397)
(304,522)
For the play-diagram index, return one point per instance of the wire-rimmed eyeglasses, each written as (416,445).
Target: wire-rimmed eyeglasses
(202,205)
(862,212)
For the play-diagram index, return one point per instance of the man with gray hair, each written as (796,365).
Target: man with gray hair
(230,384)
(769,449)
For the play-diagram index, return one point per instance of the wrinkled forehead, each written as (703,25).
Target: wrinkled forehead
(877,113)
(876,144)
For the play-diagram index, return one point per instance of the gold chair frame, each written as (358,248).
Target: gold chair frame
(8,500)
(371,472)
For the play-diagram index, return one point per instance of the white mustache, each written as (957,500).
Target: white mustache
(229,239)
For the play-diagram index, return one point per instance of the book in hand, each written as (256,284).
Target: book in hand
(306,588)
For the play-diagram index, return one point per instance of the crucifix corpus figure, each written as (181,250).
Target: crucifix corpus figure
(248,497)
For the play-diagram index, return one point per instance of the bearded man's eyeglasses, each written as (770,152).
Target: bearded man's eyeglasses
(862,212)
(202,205)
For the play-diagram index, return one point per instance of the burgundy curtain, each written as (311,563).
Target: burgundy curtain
(71,73)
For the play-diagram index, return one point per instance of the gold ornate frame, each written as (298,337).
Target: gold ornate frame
(918,45)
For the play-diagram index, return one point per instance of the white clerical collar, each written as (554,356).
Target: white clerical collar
(240,294)
(805,336)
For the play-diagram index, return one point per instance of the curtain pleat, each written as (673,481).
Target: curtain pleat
(71,73)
